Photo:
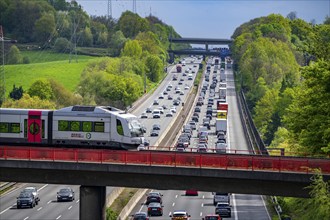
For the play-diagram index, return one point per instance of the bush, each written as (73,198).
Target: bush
(14,55)
(62,45)
(26,60)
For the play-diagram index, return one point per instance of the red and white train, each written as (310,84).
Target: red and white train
(76,126)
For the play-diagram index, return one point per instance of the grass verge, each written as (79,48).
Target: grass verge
(114,210)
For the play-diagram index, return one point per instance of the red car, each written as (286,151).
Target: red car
(212,217)
(191,192)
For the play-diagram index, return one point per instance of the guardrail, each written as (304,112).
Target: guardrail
(168,158)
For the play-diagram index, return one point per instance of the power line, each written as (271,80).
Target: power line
(134,6)
(109,9)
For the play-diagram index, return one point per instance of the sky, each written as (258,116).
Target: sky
(211,18)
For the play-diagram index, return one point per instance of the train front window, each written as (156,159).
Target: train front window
(135,128)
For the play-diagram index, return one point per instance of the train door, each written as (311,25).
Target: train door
(34,127)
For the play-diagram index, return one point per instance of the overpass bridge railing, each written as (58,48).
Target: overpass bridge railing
(169,158)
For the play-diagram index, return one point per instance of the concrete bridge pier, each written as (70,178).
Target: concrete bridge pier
(92,203)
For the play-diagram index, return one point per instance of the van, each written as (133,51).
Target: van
(156,113)
(221,197)
(190,77)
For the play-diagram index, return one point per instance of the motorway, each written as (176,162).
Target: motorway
(244,206)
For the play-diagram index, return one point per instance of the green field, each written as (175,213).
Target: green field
(68,74)
(49,56)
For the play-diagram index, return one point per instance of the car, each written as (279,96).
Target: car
(156,127)
(169,114)
(165,93)
(65,194)
(221,135)
(192,125)
(140,216)
(161,110)
(173,109)
(180,83)
(154,197)
(148,110)
(156,113)
(144,115)
(223,209)
(180,215)
(207,124)
(181,93)
(155,209)
(155,102)
(212,217)
(34,192)
(186,88)
(221,147)
(191,192)
(161,96)
(202,147)
(154,133)
(25,199)
(169,97)
(177,90)
(195,118)
(197,109)
(176,102)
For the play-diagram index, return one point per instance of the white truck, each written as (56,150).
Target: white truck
(222,75)
(221,125)
(222,93)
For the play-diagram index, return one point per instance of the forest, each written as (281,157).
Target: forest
(283,67)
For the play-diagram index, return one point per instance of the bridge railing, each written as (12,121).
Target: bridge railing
(169,158)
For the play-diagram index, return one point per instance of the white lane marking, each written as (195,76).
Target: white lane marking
(203,196)
(59,217)
(26,218)
(42,187)
(7,209)
(235,208)
(173,204)
(263,201)
(70,207)
(49,202)
(169,213)
(39,209)
(77,201)
(202,205)
(176,196)
(201,214)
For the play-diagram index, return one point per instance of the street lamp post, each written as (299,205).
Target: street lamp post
(2,70)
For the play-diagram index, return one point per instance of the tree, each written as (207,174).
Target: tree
(29,102)
(154,68)
(16,93)
(132,48)
(292,15)
(327,20)
(62,96)
(307,118)
(45,28)
(117,42)
(86,37)
(14,55)
(41,88)
(131,24)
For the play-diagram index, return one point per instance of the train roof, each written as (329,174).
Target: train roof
(17,111)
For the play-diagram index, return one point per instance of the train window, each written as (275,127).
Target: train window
(63,125)
(120,129)
(87,126)
(15,128)
(75,126)
(99,126)
(4,127)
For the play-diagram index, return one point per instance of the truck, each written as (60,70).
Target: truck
(216,61)
(178,68)
(221,125)
(221,197)
(222,114)
(222,106)
(222,93)
(222,75)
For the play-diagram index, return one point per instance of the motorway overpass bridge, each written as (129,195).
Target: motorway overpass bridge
(96,169)
(204,41)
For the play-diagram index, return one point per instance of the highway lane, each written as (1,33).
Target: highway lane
(243,206)
(48,208)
